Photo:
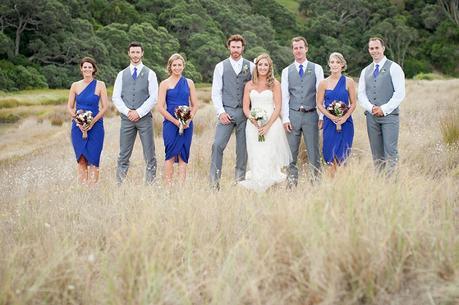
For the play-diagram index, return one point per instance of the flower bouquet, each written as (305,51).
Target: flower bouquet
(183,114)
(261,117)
(338,108)
(84,118)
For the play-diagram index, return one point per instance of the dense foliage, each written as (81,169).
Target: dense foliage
(42,41)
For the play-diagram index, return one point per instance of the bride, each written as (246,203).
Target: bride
(265,158)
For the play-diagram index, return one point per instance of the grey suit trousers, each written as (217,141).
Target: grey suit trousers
(383,135)
(306,123)
(128,134)
(222,136)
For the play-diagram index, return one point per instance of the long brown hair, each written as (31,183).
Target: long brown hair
(270,77)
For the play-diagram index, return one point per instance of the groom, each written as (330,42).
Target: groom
(230,77)
(134,95)
(299,85)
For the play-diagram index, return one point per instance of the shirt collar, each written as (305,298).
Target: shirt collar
(297,64)
(139,67)
(236,63)
(381,63)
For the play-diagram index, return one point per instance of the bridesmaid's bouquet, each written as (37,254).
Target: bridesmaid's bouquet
(261,117)
(183,114)
(338,108)
(84,118)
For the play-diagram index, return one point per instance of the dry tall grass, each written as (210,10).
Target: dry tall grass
(356,239)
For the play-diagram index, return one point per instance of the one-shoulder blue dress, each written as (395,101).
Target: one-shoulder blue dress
(91,147)
(337,144)
(176,145)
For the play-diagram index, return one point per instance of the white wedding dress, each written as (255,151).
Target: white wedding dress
(265,159)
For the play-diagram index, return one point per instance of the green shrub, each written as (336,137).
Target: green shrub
(58,77)
(427,76)
(9,118)
(414,66)
(9,103)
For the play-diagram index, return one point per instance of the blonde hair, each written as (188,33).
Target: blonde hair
(174,57)
(270,77)
(340,58)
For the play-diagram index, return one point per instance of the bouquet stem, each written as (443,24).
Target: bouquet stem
(261,138)
(85,134)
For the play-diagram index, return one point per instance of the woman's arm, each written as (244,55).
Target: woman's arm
(246,103)
(161,105)
(277,96)
(71,101)
(320,101)
(350,86)
(103,101)
(194,104)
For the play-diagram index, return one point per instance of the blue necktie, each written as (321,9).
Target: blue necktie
(376,71)
(134,75)
(301,71)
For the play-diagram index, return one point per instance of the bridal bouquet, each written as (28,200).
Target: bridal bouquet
(338,108)
(261,117)
(183,114)
(84,118)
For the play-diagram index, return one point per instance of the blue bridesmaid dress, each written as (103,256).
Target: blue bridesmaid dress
(175,144)
(337,145)
(91,147)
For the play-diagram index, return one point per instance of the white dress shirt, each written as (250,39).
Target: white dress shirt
(398,81)
(217,82)
(148,104)
(286,94)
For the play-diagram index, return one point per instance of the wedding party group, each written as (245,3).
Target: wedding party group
(268,117)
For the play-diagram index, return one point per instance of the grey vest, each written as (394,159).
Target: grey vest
(135,92)
(380,90)
(233,85)
(302,90)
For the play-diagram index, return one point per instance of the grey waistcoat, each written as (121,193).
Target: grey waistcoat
(302,90)
(233,85)
(380,90)
(135,92)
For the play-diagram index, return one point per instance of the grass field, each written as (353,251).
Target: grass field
(358,238)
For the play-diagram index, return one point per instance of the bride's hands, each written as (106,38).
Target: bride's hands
(263,130)
(254,122)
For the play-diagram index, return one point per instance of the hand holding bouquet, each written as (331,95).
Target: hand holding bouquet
(84,118)
(261,117)
(338,109)
(183,115)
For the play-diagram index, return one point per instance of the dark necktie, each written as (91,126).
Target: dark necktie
(301,71)
(376,71)
(134,75)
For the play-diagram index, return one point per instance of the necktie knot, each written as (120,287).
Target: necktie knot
(134,75)
(376,71)
(301,71)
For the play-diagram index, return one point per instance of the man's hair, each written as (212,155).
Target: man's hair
(300,38)
(376,38)
(135,44)
(91,61)
(235,37)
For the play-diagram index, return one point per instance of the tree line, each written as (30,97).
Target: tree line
(42,41)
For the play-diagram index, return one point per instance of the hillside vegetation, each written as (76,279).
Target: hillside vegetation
(42,41)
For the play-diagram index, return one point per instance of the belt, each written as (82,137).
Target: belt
(301,109)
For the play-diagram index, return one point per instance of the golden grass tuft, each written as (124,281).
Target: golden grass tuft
(450,128)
